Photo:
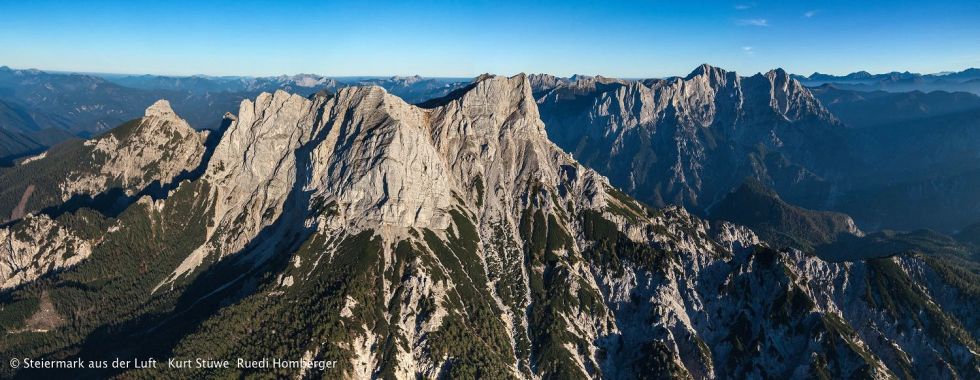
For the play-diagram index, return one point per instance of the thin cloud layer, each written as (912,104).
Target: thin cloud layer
(752,22)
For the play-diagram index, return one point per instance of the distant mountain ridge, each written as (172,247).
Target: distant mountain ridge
(63,105)
(860,109)
(413,89)
(967,80)
(27,87)
(203,84)
(966,74)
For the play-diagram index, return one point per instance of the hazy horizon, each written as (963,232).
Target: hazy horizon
(459,40)
(375,76)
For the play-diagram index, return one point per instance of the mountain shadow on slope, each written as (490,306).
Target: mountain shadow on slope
(780,223)
(42,185)
(14,145)
(969,235)
(888,243)
(218,284)
(862,109)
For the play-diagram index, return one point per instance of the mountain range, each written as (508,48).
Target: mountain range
(507,227)
(692,140)
(967,81)
(689,141)
(861,109)
(63,105)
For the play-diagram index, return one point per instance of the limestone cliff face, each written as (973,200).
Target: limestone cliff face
(689,141)
(378,162)
(36,246)
(253,170)
(473,173)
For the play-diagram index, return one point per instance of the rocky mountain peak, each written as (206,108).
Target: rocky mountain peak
(790,98)
(144,156)
(155,148)
(160,108)
(496,96)
(544,78)
(781,81)
(159,121)
(860,75)
(406,162)
(379,161)
(706,70)
(407,80)
(777,72)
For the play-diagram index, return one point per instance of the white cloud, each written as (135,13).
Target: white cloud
(742,7)
(748,50)
(752,22)
(810,13)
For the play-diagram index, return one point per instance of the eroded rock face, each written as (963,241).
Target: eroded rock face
(253,168)
(366,161)
(36,246)
(378,162)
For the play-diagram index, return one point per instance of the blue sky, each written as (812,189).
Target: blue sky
(462,39)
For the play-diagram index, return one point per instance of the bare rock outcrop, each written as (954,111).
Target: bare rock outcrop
(35,246)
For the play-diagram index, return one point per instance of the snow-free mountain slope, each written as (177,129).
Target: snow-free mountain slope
(690,140)
(107,171)
(900,161)
(779,223)
(144,152)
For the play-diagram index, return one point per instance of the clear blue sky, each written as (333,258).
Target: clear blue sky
(465,38)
